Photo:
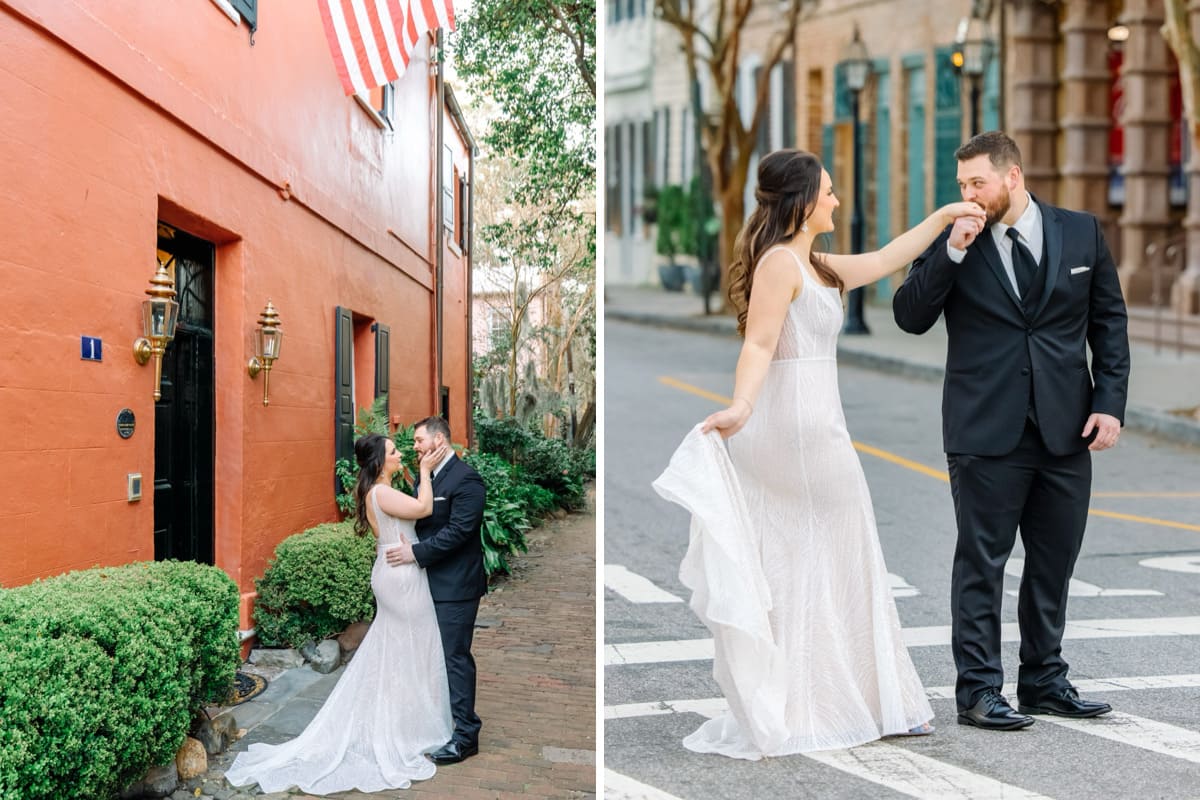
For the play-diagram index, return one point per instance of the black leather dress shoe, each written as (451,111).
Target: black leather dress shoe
(994,713)
(453,752)
(1065,703)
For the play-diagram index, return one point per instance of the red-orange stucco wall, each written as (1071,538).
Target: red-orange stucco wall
(117,115)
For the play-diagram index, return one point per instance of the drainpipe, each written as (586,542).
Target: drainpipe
(472,151)
(439,238)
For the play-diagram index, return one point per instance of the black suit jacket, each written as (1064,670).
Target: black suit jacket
(449,548)
(997,349)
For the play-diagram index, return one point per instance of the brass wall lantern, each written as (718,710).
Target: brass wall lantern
(159,315)
(266,347)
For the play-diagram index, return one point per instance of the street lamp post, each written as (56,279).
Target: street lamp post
(974,41)
(858,67)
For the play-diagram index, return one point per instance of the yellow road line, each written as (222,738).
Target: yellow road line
(696,390)
(1153,495)
(943,476)
(1166,523)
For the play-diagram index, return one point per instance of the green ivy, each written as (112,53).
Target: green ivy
(102,670)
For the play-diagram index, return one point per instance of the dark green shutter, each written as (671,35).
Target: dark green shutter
(947,128)
(343,381)
(249,11)
(383,341)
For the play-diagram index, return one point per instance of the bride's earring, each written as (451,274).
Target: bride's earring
(804,228)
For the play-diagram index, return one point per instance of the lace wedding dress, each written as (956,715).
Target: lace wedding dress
(390,707)
(785,565)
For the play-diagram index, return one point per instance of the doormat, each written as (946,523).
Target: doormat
(246,686)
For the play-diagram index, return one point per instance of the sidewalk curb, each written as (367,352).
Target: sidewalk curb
(1150,421)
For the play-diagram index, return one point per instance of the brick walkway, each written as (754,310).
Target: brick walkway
(535,650)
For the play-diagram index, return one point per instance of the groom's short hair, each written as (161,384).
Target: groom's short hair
(1000,149)
(434,426)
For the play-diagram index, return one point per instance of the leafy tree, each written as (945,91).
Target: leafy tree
(535,62)
(711,35)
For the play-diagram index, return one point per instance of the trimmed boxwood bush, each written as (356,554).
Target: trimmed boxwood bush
(102,671)
(318,583)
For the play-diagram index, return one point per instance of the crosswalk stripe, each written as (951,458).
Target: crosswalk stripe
(936,635)
(1147,734)
(1090,685)
(623,787)
(916,775)
(898,769)
(1078,588)
(635,588)
(712,706)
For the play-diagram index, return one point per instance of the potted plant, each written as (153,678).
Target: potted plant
(670,242)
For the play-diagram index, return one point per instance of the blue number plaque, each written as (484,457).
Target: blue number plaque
(90,348)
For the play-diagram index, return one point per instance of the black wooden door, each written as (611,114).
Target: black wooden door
(184,417)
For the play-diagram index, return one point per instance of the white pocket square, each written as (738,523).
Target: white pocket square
(1077,270)
(438,498)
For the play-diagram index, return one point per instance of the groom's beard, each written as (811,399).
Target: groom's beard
(996,211)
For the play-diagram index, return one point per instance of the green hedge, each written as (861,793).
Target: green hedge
(548,463)
(102,671)
(318,583)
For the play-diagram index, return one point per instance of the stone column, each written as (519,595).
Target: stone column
(1085,118)
(1185,294)
(1147,122)
(1031,111)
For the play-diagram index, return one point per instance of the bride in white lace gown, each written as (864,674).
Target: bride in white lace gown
(392,704)
(784,561)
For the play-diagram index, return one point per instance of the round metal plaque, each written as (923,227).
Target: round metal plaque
(125,423)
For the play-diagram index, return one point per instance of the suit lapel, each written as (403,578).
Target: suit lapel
(1052,231)
(987,247)
(440,478)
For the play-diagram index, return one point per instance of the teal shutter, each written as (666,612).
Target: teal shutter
(991,96)
(883,155)
(841,94)
(916,144)
(947,130)
(883,168)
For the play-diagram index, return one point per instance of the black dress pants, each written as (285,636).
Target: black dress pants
(1046,496)
(456,621)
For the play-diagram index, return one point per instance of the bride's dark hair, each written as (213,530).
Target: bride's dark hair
(788,184)
(370,452)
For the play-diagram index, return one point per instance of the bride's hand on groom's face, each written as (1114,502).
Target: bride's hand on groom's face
(433,457)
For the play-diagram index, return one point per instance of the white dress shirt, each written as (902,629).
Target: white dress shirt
(1029,227)
(442,463)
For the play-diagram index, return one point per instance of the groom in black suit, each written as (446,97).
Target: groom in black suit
(1022,296)
(450,551)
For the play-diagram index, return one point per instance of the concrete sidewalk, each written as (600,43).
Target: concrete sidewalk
(1161,384)
(535,650)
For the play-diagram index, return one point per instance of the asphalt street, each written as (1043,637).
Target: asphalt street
(1134,614)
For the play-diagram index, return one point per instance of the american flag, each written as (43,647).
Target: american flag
(372,40)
